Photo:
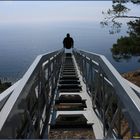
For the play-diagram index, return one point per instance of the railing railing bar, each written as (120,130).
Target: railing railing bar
(45,63)
(8,91)
(112,123)
(103,104)
(125,94)
(133,86)
(95,62)
(41,79)
(29,76)
(105,79)
(87,58)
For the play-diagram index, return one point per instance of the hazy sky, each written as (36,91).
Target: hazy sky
(52,11)
(48,11)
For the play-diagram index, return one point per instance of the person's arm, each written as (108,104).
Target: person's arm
(72,42)
(64,43)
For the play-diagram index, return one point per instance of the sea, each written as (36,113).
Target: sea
(21,43)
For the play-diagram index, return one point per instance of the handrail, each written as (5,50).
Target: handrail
(8,91)
(35,74)
(25,107)
(127,98)
(6,94)
(134,87)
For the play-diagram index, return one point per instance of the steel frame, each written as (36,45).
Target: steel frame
(26,106)
(115,100)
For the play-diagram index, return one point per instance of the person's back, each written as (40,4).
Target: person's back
(68,42)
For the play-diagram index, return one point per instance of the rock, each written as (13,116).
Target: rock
(133,77)
(4,86)
(137,73)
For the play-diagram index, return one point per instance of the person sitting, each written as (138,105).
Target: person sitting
(68,42)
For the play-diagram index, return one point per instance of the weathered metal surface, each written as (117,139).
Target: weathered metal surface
(108,89)
(72,108)
(26,111)
(112,101)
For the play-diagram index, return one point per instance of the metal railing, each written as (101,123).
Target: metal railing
(25,107)
(115,100)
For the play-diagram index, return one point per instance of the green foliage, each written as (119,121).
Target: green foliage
(129,45)
(119,9)
(134,27)
(125,1)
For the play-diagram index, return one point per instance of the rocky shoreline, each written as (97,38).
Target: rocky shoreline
(133,77)
(4,85)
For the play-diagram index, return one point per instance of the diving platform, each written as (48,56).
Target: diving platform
(75,95)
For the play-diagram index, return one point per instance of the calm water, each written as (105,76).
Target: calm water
(20,44)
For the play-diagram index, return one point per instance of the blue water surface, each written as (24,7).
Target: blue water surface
(21,43)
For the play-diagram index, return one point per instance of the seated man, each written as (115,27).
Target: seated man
(68,42)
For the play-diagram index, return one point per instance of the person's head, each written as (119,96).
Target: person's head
(68,35)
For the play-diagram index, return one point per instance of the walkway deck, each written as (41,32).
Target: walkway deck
(73,106)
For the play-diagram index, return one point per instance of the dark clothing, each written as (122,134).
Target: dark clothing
(68,42)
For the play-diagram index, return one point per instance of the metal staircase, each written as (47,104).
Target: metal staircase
(71,112)
(77,95)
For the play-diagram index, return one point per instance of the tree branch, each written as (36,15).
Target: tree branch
(113,18)
(126,17)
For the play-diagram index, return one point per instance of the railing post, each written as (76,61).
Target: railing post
(43,81)
(103,103)
(91,79)
(81,65)
(98,84)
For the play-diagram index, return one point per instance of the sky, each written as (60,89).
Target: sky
(51,11)
(55,11)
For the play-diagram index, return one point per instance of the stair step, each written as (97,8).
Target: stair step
(69,98)
(69,90)
(69,78)
(70,120)
(69,101)
(69,68)
(70,106)
(74,133)
(68,65)
(68,54)
(69,82)
(74,115)
(68,61)
(69,73)
(69,85)
(71,125)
